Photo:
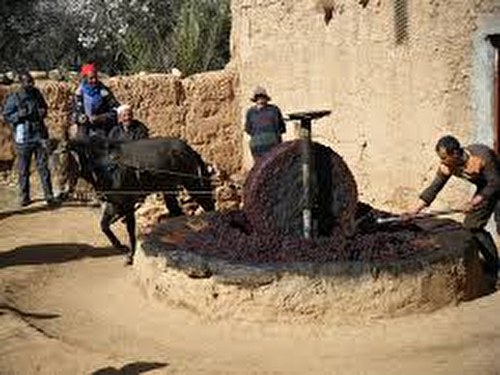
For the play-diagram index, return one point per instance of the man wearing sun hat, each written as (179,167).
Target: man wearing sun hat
(94,105)
(264,123)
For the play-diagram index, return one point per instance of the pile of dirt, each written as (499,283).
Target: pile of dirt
(229,236)
(151,212)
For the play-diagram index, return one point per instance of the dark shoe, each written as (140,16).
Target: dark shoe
(26,202)
(63,196)
(129,260)
(53,202)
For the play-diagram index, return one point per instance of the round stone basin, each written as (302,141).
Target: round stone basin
(192,263)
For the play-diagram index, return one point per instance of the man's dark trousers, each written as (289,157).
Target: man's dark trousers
(25,152)
(475,222)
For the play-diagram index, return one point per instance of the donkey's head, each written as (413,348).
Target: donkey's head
(198,178)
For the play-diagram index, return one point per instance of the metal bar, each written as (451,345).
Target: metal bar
(305,124)
(305,119)
(399,218)
(141,192)
(495,42)
(497,102)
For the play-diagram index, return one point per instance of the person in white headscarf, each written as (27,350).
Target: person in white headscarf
(128,128)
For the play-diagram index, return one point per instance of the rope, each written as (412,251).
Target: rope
(141,192)
(180,174)
(76,157)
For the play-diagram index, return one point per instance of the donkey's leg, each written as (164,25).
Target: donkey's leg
(130,221)
(201,194)
(173,206)
(109,216)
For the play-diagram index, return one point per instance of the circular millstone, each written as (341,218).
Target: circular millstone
(438,267)
(274,194)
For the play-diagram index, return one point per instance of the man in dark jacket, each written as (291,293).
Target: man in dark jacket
(25,110)
(94,105)
(479,165)
(264,124)
(128,128)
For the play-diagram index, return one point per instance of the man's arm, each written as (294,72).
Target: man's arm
(113,103)
(429,193)
(281,122)
(248,123)
(42,105)
(491,173)
(440,180)
(11,110)
(110,116)
(78,109)
(115,132)
(143,131)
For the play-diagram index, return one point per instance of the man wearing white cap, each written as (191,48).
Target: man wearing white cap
(264,123)
(128,128)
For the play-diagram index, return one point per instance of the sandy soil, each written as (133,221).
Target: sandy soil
(68,305)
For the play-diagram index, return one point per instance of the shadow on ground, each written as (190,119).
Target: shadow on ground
(53,253)
(28,315)
(134,368)
(39,205)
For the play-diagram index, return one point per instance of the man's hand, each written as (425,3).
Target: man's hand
(81,119)
(474,203)
(23,113)
(98,119)
(407,216)
(42,112)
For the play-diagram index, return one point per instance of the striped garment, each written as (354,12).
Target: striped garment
(265,126)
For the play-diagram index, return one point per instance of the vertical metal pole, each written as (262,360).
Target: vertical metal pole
(307,164)
(496,97)
(305,124)
(495,42)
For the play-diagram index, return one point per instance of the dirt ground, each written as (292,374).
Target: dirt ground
(68,305)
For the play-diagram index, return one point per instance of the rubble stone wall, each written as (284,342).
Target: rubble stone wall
(200,109)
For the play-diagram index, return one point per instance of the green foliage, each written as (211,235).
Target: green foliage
(121,35)
(138,52)
(201,28)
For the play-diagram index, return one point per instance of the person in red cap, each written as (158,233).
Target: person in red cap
(94,105)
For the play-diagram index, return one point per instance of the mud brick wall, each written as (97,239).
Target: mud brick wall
(200,109)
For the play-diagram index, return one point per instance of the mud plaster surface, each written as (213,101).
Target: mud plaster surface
(217,289)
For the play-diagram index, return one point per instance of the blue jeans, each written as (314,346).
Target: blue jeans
(25,152)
